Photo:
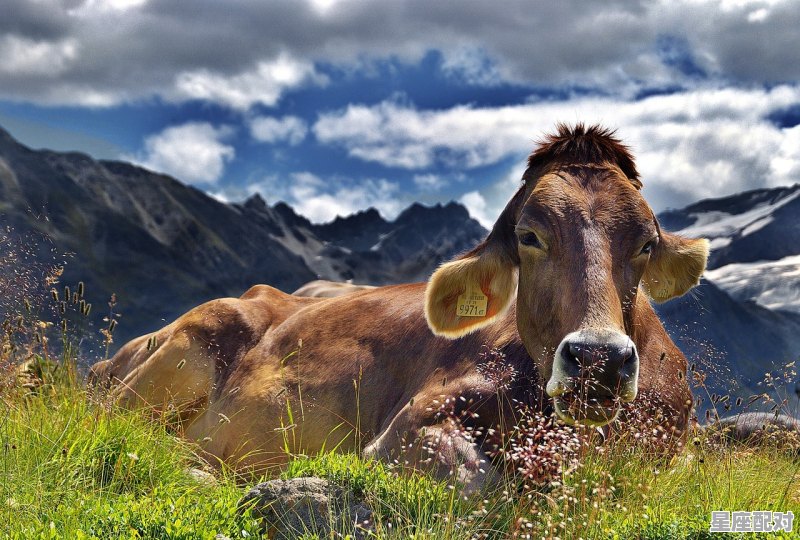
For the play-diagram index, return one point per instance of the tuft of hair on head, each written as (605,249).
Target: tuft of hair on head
(585,145)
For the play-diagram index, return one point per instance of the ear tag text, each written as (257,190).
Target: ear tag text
(472,303)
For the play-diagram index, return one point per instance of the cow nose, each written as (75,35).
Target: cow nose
(606,357)
(600,363)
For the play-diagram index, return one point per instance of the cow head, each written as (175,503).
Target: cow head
(578,244)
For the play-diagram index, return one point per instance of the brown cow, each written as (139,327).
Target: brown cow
(559,286)
(322,288)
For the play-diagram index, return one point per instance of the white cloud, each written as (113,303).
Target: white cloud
(474,66)
(721,136)
(271,130)
(478,208)
(193,152)
(689,145)
(263,85)
(399,136)
(429,182)
(321,200)
(270,48)
(23,56)
(89,6)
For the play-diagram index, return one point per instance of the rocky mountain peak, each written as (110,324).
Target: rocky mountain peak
(256,203)
(163,246)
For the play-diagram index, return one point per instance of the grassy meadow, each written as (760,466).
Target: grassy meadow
(73,466)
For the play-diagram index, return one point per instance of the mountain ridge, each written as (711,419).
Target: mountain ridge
(164,247)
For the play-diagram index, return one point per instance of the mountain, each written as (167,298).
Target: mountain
(772,284)
(735,344)
(743,321)
(755,240)
(164,247)
(365,248)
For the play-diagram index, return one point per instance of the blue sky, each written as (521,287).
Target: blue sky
(337,105)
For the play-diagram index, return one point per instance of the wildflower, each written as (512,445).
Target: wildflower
(495,369)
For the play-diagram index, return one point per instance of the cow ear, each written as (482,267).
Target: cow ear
(675,266)
(469,293)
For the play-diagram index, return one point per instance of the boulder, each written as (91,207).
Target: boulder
(757,428)
(289,508)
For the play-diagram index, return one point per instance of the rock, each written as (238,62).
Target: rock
(202,477)
(290,508)
(757,428)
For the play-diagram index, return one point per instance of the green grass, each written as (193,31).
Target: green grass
(75,469)
(71,469)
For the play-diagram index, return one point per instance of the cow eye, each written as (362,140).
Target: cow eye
(647,249)
(529,239)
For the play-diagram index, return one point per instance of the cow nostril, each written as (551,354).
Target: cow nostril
(575,351)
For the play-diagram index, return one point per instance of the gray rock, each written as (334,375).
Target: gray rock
(744,426)
(202,477)
(290,508)
(756,429)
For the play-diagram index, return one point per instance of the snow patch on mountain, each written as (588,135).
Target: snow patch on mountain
(772,284)
(720,227)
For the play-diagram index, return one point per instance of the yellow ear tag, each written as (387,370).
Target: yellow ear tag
(472,303)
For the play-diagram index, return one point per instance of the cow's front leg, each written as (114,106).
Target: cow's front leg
(443,449)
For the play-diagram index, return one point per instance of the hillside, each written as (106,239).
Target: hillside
(755,240)
(744,319)
(164,247)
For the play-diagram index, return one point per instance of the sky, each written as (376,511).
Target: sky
(335,105)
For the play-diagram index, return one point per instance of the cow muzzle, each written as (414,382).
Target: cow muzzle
(594,372)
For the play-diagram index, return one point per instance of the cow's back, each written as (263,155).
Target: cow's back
(179,365)
(321,288)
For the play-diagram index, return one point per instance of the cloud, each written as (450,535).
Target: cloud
(400,136)
(106,5)
(429,182)
(474,66)
(25,56)
(690,145)
(193,152)
(272,130)
(262,85)
(321,200)
(238,54)
(478,208)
